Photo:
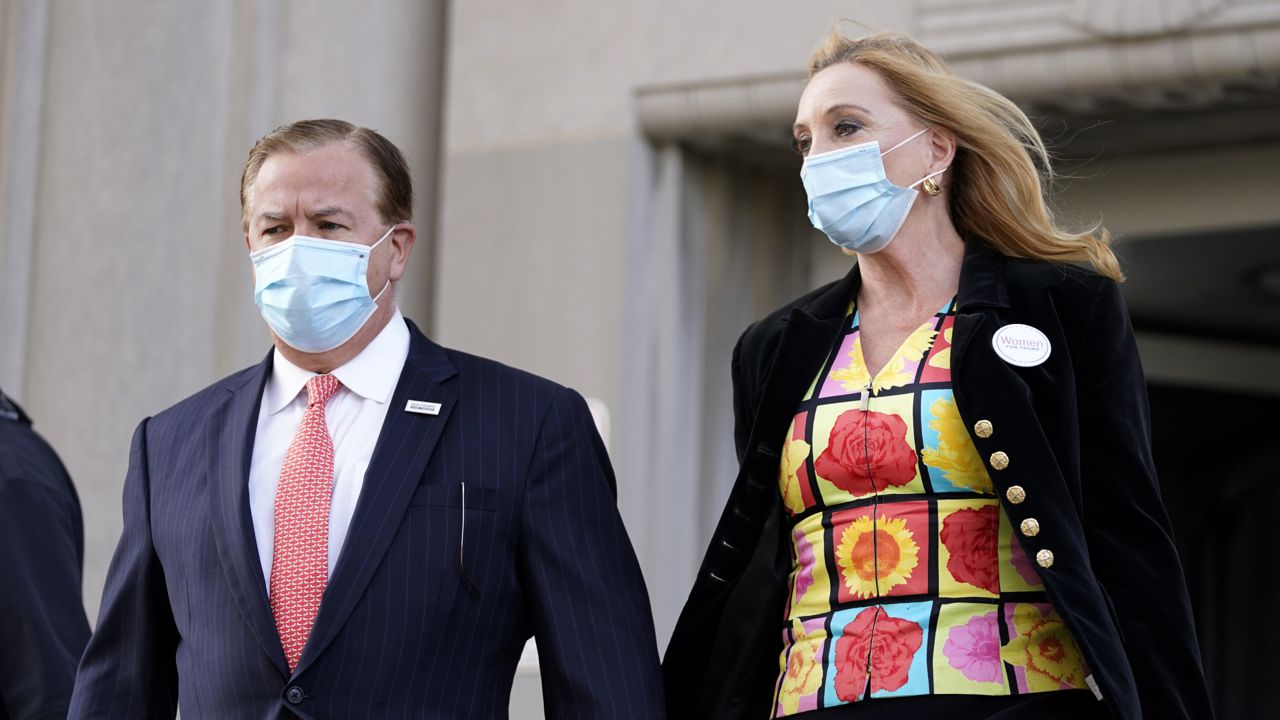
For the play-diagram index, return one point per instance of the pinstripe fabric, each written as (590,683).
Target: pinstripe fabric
(407,628)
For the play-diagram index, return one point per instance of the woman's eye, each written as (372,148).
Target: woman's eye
(326,225)
(801,144)
(845,128)
(273,230)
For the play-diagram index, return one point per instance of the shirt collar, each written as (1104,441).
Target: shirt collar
(372,374)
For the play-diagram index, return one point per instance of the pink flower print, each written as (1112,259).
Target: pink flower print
(1018,558)
(974,648)
(805,561)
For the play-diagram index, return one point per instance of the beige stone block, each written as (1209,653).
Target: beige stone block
(531,260)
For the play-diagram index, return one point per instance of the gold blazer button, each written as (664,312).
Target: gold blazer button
(999,460)
(1044,558)
(1030,527)
(983,429)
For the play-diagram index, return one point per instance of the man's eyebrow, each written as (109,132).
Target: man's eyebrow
(324,212)
(328,212)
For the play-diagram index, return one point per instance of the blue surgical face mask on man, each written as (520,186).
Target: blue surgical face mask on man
(851,199)
(314,293)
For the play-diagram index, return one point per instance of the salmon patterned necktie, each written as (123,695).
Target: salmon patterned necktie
(300,551)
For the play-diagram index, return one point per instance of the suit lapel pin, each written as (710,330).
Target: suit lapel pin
(422,407)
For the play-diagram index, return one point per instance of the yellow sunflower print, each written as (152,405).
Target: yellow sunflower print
(869,552)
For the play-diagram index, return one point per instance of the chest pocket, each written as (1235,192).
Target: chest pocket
(459,522)
(455,495)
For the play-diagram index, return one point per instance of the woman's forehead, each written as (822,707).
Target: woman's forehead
(844,84)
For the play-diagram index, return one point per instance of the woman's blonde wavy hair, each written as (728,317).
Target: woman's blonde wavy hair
(1001,167)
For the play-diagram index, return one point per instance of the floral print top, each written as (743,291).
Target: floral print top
(907,579)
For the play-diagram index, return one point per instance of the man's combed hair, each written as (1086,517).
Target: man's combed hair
(395,189)
(1001,167)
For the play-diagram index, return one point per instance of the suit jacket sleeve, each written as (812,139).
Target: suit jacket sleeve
(128,669)
(42,624)
(588,602)
(1126,525)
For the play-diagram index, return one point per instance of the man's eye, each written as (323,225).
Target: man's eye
(845,128)
(326,225)
(273,230)
(801,144)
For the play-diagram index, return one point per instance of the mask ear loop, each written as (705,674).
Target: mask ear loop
(385,235)
(387,284)
(904,142)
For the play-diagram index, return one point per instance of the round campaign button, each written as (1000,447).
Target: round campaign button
(1021,345)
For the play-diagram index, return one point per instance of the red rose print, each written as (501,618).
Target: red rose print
(972,536)
(892,643)
(867,451)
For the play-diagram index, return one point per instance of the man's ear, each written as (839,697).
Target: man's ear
(401,240)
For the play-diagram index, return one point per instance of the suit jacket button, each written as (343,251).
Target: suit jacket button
(999,460)
(1016,494)
(1044,558)
(1030,527)
(294,695)
(983,429)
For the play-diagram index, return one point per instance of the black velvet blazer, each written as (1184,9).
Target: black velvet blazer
(1076,433)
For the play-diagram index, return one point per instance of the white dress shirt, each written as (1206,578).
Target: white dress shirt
(354,416)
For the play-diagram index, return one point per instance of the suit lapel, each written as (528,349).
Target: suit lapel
(230,448)
(404,446)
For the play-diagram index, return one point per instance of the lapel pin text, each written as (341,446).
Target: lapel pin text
(422,407)
(1021,345)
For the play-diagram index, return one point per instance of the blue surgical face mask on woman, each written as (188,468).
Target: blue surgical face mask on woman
(314,293)
(851,199)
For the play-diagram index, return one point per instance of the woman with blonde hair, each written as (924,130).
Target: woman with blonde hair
(947,506)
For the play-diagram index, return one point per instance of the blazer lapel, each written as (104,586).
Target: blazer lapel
(983,291)
(804,344)
(400,455)
(230,449)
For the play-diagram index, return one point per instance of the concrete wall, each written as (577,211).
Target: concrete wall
(137,287)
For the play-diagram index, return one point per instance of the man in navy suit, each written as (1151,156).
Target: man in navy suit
(365,524)
(42,624)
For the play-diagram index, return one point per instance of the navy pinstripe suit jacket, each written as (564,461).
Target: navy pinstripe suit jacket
(416,622)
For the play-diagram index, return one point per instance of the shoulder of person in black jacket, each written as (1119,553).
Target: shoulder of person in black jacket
(43,628)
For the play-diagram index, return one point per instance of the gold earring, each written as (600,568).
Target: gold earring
(931,186)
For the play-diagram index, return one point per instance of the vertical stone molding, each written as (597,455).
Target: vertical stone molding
(23,32)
